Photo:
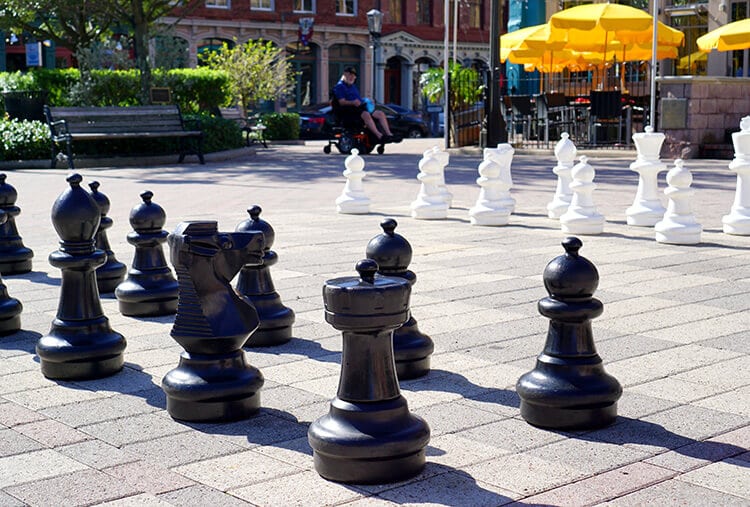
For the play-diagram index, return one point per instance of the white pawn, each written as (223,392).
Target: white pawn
(678,225)
(429,204)
(565,152)
(443,158)
(582,216)
(353,200)
(738,219)
(490,206)
(647,209)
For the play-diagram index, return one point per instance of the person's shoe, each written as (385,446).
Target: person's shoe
(385,139)
(396,139)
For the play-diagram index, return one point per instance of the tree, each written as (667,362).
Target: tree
(76,25)
(257,71)
(465,88)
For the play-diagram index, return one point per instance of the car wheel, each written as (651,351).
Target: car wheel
(414,133)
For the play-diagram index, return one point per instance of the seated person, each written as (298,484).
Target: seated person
(352,106)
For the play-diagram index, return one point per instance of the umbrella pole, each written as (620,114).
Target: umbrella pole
(654,49)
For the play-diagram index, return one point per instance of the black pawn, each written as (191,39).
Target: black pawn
(112,272)
(80,343)
(213,381)
(369,435)
(15,258)
(150,288)
(10,308)
(568,388)
(256,284)
(411,348)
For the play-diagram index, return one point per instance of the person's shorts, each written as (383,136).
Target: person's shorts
(351,115)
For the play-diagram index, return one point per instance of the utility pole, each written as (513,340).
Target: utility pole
(496,131)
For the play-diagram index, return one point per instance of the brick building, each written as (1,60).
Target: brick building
(412,40)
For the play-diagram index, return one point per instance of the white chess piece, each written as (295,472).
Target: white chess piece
(490,207)
(582,216)
(738,219)
(429,204)
(565,152)
(443,158)
(647,209)
(353,200)
(679,225)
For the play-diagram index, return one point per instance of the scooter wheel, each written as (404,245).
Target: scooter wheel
(381,149)
(327,149)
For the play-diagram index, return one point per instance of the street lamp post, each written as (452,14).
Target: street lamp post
(375,26)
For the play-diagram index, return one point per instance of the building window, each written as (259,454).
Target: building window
(475,13)
(261,5)
(424,12)
(304,5)
(219,4)
(396,11)
(346,7)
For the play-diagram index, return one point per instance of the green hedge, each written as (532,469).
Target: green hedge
(281,126)
(23,140)
(193,90)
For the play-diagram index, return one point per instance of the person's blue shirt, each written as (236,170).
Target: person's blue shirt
(346,91)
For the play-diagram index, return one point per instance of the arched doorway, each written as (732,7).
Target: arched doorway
(393,81)
(205,46)
(341,56)
(304,64)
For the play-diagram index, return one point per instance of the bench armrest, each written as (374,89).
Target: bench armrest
(59,129)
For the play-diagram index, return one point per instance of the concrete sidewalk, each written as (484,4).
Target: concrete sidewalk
(675,333)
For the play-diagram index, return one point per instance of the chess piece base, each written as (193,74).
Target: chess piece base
(413,368)
(369,442)
(213,387)
(557,209)
(109,276)
(269,337)
(643,216)
(582,225)
(430,212)
(678,234)
(353,207)
(10,316)
(10,325)
(64,356)
(489,217)
(13,267)
(411,350)
(136,300)
(561,418)
(275,321)
(739,226)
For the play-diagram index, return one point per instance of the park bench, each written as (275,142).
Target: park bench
(69,124)
(254,130)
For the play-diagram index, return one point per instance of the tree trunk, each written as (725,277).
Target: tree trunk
(140,39)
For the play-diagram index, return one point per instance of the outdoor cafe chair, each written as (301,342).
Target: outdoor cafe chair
(523,113)
(605,111)
(553,113)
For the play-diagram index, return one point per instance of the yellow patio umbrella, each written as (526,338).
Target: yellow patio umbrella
(729,37)
(688,61)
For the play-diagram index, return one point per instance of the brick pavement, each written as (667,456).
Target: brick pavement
(674,332)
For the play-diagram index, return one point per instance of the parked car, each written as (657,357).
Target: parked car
(316,120)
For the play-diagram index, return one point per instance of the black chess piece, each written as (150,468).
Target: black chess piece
(10,308)
(369,435)
(256,284)
(80,343)
(150,288)
(15,258)
(213,381)
(112,272)
(568,388)
(411,348)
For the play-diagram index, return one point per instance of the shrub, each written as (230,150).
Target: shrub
(218,133)
(281,126)
(23,140)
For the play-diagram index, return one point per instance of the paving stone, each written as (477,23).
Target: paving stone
(512,434)
(300,371)
(139,428)
(734,402)
(12,414)
(148,477)
(23,380)
(450,488)
(673,491)
(46,397)
(51,433)
(295,452)
(236,470)
(454,450)
(728,476)
(452,417)
(588,455)
(96,454)
(82,487)
(183,448)
(728,374)
(14,442)
(143,499)
(8,501)
(635,406)
(33,466)
(302,489)
(201,495)
(736,342)
(703,329)
(674,389)
(263,429)
(523,474)
(104,409)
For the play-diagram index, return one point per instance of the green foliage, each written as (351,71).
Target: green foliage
(193,90)
(257,70)
(218,133)
(23,140)
(281,126)
(465,85)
